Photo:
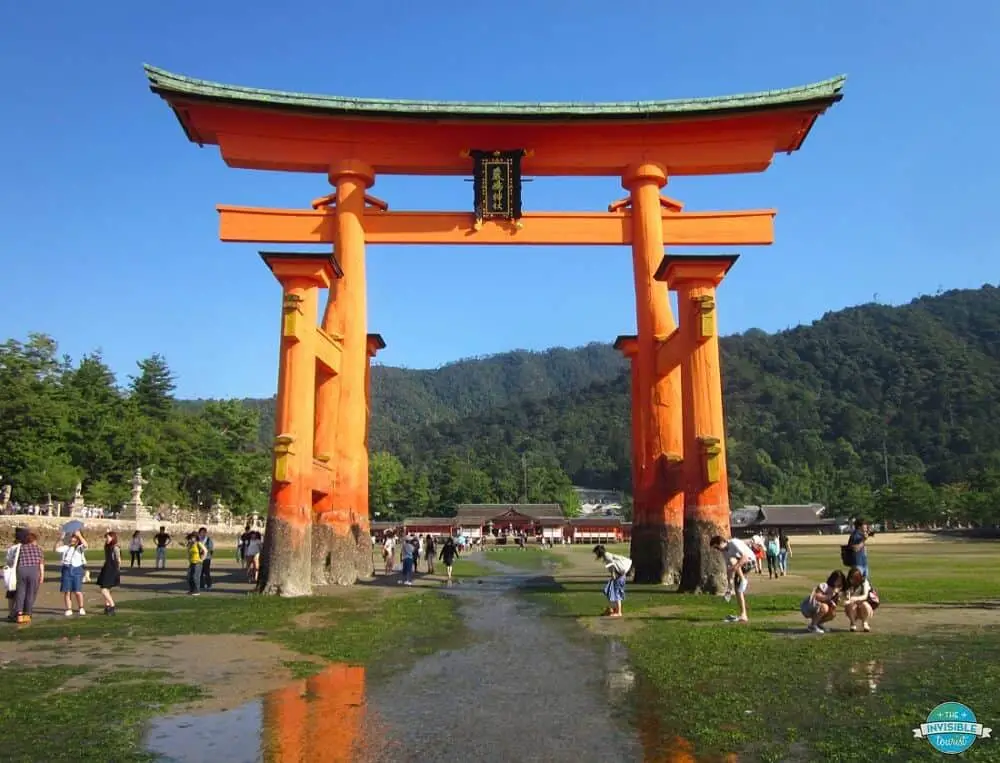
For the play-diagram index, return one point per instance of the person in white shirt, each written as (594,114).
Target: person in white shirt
(618,568)
(740,560)
(859,604)
(74,564)
(388,547)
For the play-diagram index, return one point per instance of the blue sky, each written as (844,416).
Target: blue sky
(108,234)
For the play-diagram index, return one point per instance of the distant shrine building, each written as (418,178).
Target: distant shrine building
(496,522)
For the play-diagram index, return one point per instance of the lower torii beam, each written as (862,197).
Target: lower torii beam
(308,226)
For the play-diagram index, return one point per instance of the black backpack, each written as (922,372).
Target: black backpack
(847,555)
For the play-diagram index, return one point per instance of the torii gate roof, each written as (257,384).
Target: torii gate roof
(277,130)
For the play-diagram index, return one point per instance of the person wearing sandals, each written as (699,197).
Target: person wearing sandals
(740,560)
(820,606)
(110,575)
(857,602)
(30,575)
(10,567)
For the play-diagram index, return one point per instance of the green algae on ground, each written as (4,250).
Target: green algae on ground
(359,626)
(41,720)
(769,692)
(42,717)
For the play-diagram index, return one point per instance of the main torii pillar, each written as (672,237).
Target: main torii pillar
(657,525)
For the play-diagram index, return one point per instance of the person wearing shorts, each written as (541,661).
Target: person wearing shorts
(74,564)
(740,559)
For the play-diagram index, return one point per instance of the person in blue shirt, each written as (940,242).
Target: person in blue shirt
(857,544)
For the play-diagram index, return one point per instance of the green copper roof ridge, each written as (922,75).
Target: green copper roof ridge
(162,81)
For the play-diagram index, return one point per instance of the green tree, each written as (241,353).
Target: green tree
(386,482)
(153,388)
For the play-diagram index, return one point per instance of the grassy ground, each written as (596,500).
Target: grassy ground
(530,558)
(771,692)
(101,705)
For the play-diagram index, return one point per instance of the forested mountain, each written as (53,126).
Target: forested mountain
(821,412)
(403,399)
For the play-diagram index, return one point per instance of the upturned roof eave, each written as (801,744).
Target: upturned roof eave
(174,87)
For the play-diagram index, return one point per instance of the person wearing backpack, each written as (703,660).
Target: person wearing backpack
(772,548)
(618,568)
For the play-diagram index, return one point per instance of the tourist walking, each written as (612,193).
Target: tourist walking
(861,600)
(30,576)
(206,565)
(74,565)
(772,549)
(784,552)
(254,543)
(135,550)
(739,560)
(618,568)
(820,606)
(162,540)
(10,569)
(448,554)
(857,545)
(429,551)
(241,546)
(110,575)
(408,554)
(388,551)
(196,556)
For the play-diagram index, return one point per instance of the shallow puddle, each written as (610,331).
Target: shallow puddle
(525,689)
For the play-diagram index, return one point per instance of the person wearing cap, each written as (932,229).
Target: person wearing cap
(618,568)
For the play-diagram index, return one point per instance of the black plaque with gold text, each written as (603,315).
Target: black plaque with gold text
(497,177)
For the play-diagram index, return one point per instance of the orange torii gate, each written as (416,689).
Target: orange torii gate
(318,515)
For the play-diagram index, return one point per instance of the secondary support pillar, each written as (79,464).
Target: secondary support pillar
(286,559)
(657,529)
(350,553)
(327,419)
(706,493)
(628,346)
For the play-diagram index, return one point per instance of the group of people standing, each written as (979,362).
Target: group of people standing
(24,573)
(24,568)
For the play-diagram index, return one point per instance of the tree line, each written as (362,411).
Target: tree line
(891,412)
(64,422)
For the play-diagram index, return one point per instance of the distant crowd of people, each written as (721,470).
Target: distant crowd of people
(413,548)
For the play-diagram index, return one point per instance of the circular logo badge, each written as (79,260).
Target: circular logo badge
(951,728)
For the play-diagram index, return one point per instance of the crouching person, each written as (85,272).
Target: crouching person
(861,600)
(618,568)
(820,606)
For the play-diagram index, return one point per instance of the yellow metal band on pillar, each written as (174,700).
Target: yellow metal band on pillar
(291,309)
(283,453)
(706,316)
(710,452)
